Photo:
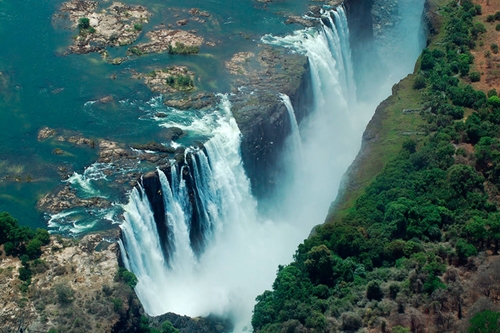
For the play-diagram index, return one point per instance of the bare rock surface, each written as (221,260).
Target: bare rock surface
(67,198)
(73,282)
(164,40)
(45,133)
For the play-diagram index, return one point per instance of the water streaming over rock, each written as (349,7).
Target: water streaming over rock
(296,141)
(221,253)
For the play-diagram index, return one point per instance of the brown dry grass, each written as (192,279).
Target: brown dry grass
(488,66)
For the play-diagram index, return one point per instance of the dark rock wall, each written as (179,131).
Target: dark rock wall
(152,187)
(264,131)
(263,119)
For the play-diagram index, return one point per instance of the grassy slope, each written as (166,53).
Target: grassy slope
(387,130)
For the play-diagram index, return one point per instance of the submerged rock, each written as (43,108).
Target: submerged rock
(173,133)
(67,198)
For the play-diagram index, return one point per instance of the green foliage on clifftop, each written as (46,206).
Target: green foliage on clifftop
(433,206)
(24,242)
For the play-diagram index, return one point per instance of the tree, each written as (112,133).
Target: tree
(83,23)
(127,277)
(373,291)
(167,327)
(485,322)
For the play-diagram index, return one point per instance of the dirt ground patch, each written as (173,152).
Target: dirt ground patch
(486,61)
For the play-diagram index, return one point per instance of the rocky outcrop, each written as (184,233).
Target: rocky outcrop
(67,198)
(166,40)
(169,80)
(261,115)
(74,287)
(236,65)
(191,101)
(112,156)
(117,25)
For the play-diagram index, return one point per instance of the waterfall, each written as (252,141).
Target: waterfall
(241,250)
(208,200)
(296,141)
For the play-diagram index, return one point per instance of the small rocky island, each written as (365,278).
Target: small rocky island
(117,25)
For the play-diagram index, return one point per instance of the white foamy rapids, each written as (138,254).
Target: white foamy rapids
(241,254)
(80,220)
(83,182)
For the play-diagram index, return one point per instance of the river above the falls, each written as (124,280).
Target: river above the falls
(42,87)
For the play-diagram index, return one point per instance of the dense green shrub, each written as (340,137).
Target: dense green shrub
(181,48)
(475,76)
(485,322)
(83,23)
(373,291)
(419,83)
(127,277)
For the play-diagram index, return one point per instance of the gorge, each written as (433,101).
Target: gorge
(193,234)
(211,212)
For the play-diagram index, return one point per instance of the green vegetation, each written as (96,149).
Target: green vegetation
(429,209)
(165,327)
(494,48)
(181,48)
(23,242)
(180,82)
(485,322)
(135,51)
(83,23)
(127,277)
(138,27)
(85,27)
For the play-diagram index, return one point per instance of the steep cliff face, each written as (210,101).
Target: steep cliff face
(262,117)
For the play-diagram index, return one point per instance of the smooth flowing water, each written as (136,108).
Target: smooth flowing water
(40,86)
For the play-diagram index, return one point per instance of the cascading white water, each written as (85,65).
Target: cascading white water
(243,249)
(296,141)
(331,133)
